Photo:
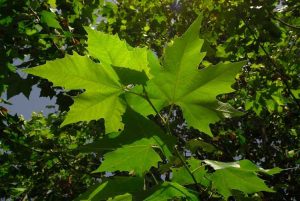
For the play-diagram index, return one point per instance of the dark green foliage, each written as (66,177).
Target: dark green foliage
(265,33)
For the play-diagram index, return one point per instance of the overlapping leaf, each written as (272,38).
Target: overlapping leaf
(240,175)
(137,158)
(111,50)
(134,149)
(101,85)
(136,128)
(180,83)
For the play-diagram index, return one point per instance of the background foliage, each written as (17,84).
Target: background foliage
(265,33)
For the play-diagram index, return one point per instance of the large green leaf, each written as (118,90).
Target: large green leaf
(114,188)
(101,84)
(168,190)
(180,83)
(136,158)
(111,50)
(239,175)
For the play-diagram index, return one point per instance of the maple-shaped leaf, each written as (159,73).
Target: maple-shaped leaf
(239,175)
(137,157)
(100,82)
(113,189)
(168,190)
(180,82)
(112,50)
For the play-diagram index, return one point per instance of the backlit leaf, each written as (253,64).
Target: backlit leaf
(180,83)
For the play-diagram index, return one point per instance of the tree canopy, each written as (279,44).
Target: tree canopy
(158,100)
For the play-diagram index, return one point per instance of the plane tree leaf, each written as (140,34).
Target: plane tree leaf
(239,175)
(228,179)
(113,188)
(168,190)
(137,157)
(100,82)
(180,82)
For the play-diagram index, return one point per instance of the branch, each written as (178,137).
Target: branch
(187,168)
(285,23)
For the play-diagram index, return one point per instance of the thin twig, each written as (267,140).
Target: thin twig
(285,23)
(187,168)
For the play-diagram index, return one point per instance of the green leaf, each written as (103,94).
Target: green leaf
(239,175)
(125,197)
(137,157)
(296,93)
(114,188)
(136,127)
(168,190)
(111,50)
(182,176)
(195,144)
(101,84)
(180,83)
(49,18)
(217,165)
(52,3)
(225,180)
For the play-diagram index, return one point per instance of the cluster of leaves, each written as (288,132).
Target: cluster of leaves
(39,159)
(32,32)
(266,33)
(127,86)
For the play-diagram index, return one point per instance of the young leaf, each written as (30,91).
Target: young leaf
(101,84)
(180,83)
(168,190)
(49,18)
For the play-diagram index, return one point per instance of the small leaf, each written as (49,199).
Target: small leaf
(195,144)
(49,18)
